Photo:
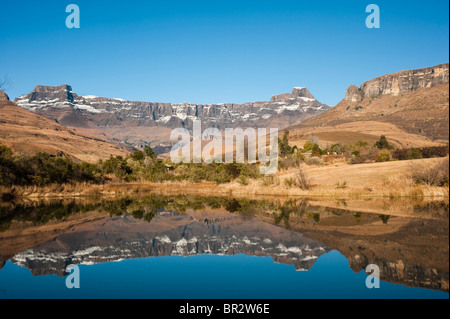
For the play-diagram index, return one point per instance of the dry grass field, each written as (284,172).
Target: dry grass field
(350,133)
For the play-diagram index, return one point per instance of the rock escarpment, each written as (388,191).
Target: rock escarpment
(400,83)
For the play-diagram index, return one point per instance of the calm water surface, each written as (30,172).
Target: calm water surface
(209,247)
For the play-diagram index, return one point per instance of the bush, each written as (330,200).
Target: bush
(422,152)
(243,180)
(314,160)
(384,156)
(414,153)
(150,153)
(302,179)
(436,175)
(308,146)
(269,180)
(289,182)
(5,151)
(138,156)
(292,160)
(363,155)
(338,149)
(361,144)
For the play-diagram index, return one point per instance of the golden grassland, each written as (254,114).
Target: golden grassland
(335,180)
(28,133)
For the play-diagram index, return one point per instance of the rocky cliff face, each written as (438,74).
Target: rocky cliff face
(400,83)
(67,108)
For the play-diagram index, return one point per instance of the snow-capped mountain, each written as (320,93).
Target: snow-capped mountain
(125,120)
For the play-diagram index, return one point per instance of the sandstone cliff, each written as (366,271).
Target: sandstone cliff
(400,83)
(416,101)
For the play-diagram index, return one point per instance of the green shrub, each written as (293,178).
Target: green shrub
(308,146)
(384,156)
(414,153)
(243,180)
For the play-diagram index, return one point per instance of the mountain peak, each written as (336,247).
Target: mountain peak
(52,89)
(61,93)
(297,92)
(301,92)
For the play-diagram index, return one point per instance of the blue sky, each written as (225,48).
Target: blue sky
(216,51)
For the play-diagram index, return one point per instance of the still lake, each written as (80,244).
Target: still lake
(188,247)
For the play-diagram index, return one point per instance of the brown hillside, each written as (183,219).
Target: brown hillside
(28,133)
(423,112)
(352,132)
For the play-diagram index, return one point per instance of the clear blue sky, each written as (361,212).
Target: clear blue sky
(216,51)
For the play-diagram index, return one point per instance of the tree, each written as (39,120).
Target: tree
(150,153)
(383,143)
(137,156)
(285,149)
(384,218)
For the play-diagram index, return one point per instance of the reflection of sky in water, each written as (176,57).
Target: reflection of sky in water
(206,276)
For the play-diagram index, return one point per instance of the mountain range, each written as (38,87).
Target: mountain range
(141,124)
(409,107)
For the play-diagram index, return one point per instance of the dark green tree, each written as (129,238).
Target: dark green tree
(383,143)
(283,144)
(150,153)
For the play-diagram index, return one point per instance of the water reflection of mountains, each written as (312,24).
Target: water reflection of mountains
(409,241)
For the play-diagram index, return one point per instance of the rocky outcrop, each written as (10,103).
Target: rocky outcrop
(3,96)
(400,83)
(353,94)
(297,92)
